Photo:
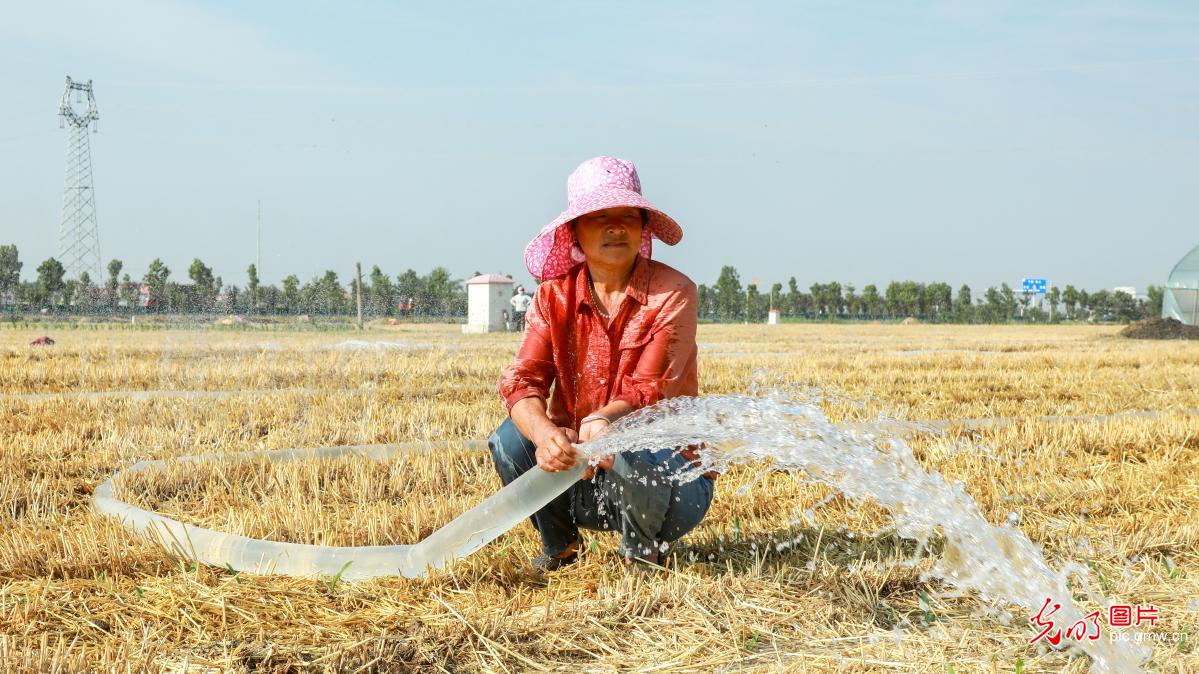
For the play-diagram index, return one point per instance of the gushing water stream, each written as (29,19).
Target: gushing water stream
(866,462)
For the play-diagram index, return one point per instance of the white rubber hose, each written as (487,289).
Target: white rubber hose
(462,536)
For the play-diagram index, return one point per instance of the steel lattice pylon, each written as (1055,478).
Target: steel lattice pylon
(78,234)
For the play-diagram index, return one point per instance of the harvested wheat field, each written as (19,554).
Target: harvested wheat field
(782,575)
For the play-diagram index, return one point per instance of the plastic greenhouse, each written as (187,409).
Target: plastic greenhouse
(1181,300)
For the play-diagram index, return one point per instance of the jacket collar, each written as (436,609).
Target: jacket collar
(638,288)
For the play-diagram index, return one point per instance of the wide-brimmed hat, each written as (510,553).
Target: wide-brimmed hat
(598,183)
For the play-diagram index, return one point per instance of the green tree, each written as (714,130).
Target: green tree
(963,307)
(753,303)
(938,298)
(706,308)
(1099,304)
(439,292)
(999,304)
(791,304)
(1070,301)
(730,298)
(991,310)
(253,297)
(964,296)
(69,289)
(853,302)
(835,300)
(156,277)
(1123,306)
(113,285)
(1008,297)
(49,280)
(333,296)
(271,297)
(1024,299)
(905,298)
(381,297)
(127,291)
(893,299)
(1153,305)
(85,292)
(291,293)
(410,288)
(310,296)
(826,298)
(871,301)
(178,298)
(231,299)
(204,283)
(10,272)
(1054,297)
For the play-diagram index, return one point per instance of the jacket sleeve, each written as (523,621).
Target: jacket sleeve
(532,370)
(663,362)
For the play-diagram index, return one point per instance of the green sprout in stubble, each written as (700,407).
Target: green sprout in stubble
(332,585)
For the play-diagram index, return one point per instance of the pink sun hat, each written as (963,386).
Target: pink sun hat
(598,183)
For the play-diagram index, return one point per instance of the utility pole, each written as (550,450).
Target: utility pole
(359,293)
(747,287)
(258,250)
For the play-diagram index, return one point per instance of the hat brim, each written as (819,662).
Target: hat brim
(548,254)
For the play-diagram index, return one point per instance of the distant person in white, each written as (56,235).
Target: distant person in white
(520,304)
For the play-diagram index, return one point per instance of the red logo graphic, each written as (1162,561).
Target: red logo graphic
(1119,615)
(1039,620)
(1078,631)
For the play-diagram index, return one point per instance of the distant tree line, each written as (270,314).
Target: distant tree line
(728,300)
(437,294)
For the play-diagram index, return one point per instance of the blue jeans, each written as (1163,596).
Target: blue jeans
(637,497)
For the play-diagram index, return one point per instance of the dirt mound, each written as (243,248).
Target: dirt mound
(1160,328)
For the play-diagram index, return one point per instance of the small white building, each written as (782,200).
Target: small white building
(487,298)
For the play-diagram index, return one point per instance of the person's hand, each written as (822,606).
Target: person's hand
(555,451)
(594,429)
(604,463)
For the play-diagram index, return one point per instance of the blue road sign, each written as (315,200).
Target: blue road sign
(1038,286)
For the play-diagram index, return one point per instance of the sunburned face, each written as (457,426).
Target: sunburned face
(610,237)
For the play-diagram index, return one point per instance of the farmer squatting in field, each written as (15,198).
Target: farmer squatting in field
(615,330)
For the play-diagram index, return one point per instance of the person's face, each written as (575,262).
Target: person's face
(611,236)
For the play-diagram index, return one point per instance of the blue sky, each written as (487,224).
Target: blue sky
(859,142)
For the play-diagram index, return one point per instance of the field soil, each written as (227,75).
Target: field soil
(1160,328)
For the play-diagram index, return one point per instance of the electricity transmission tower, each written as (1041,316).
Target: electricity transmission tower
(78,235)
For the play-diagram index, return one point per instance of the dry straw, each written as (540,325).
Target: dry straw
(781,575)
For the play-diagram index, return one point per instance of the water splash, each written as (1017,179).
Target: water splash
(866,461)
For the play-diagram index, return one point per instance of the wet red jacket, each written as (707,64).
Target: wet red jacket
(646,353)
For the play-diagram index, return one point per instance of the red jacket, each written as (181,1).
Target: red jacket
(647,353)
